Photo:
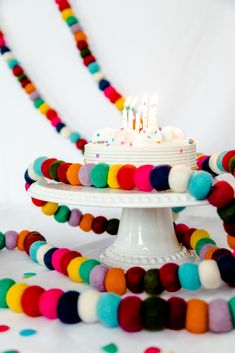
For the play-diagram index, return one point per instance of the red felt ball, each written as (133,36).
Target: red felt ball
(65,260)
(114,96)
(17,70)
(45,167)
(180,228)
(37,202)
(230,229)
(82,44)
(51,114)
(125,177)
(30,239)
(177,308)
(81,143)
(186,238)
(99,224)
(30,300)
(220,252)
(129,314)
(88,60)
(62,172)
(169,277)
(221,194)
(63,5)
(135,279)
(25,82)
(226,159)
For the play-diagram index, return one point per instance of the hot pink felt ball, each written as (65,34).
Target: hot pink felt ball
(48,303)
(56,258)
(142,179)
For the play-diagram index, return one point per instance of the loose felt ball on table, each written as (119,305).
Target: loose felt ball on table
(97,277)
(221,194)
(56,258)
(142,178)
(189,276)
(159,177)
(11,238)
(152,283)
(48,303)
(112,176)
(99,224)
(99,175)
(227,213)
(177,308)
(86,268)
(5,285)
(135,279)
(154,313)
(226,264)
(107,309)
(14,295)
(67,310)
(226,159)
(115,281)
(125,177)
(87,304)
(72,174)
(62,214)
(169,277)
(62,172)
(200,184)
(209,274)
(220,320)
(84,174)
(30,300)
(112,226)
(66,259)
(45,167)
(48,258)
(179,177)
(197,316)
(75,217)
(129,314)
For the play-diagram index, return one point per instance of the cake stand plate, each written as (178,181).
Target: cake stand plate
(146,235)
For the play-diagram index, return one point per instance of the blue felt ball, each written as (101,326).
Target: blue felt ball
(38,164)
(4,49)
(59,126)
(226,265)
(47,259)
(159,177)
(103,84)
(34,249)
(189,276)
(107,309)
(93,68)
(27,178)
(200,184)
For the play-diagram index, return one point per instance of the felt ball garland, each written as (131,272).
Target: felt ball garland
(39,103)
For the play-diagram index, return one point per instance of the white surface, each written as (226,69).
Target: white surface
(182,50)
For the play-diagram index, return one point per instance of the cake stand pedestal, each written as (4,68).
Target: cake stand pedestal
(146,235)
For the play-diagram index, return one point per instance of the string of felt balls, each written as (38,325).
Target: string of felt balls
(86,54)
(199,184)
(38,101)
(130,313)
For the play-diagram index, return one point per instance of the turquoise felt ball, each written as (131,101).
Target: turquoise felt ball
(200,184)
(107,309)
(38,164)
(34,249)
(12,63)
(189,276)
(99,175)
(93,68)
(74,137)
(220,160)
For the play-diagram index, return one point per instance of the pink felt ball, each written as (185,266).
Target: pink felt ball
(108,91)
(142,177)
(56,258)
(48,303)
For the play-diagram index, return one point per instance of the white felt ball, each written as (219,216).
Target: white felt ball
(8,56)
(179,177)
(42,251)
(87,303)
(65,132)
(32,173)
(209,274)
(98,76)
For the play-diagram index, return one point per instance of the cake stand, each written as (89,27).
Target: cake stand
(146,235)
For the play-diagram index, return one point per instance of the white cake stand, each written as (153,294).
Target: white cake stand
(146,234)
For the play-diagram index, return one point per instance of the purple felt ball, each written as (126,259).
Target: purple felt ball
(84,174)
(76,28)
(75,217)
(219,316)
(204,250)
(34,95)
(11,238)
(97,276)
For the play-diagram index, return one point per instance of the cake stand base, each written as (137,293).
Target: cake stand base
(146,238)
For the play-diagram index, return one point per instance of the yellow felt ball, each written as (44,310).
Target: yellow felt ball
(14,295)
(49,208)
(120,103)
(73,268)
(112,176)
(198,235)
(65,14)
(44,108)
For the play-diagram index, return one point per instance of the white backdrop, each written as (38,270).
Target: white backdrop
(183,50)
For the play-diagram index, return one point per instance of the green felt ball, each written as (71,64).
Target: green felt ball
(99,175)
(53,169)
(5,285)
(152,283)
(112,226)
(154,313)
(62,214)
(2,240)
(231,304)
(38,102)
(22,77)
(71,21)
(202,242)
(85,269)
(227,213)
(231,165)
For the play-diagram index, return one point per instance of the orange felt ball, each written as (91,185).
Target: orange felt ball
(21,238)
(115,281)
(210,252)
(197,316)
(125,177)
(72,174)
(80,36)
(30,88)
(86,222)
(231,241)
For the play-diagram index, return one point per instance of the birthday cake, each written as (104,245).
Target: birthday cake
(141,140)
